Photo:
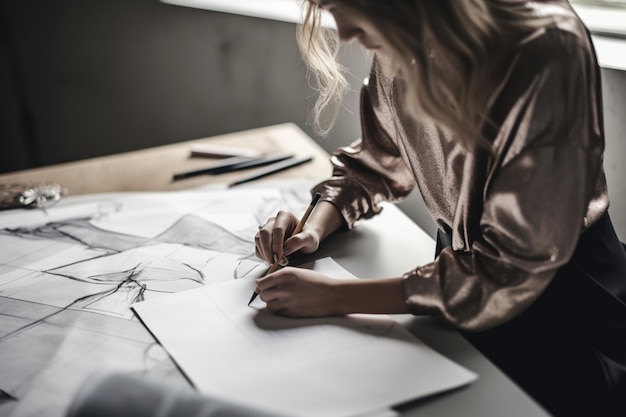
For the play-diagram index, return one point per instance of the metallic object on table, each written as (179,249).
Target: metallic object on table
(30,196)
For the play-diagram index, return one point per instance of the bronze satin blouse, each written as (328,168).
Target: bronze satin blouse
(515,215)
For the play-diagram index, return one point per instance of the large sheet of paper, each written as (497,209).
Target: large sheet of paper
(68,277)
(340,366)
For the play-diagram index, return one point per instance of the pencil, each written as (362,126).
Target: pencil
(297,230)
(272,169)
(228,162)
(252,163)
(232,164)
(217,151)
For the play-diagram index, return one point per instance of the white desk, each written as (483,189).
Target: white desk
(391,244)
(387,245)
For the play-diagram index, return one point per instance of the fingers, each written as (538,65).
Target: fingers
(270,281)
(270,238)
(299,292)
(305,241)
(283,226)
(270,290)
(263,241)
(261,245)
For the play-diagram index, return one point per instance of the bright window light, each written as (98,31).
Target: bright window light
(606,20)
(603,17)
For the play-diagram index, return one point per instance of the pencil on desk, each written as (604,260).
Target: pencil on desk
(225,163)
(271,169)
(252,163)
(297,230)
(233,164)
(217,151)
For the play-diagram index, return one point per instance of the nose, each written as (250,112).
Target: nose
(346,29)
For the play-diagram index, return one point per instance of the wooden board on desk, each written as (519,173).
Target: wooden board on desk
(152,169)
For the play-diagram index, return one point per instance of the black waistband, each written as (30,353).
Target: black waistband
(599,253)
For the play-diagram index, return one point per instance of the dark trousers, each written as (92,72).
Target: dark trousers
(568,349)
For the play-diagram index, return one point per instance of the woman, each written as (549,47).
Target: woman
(493,108)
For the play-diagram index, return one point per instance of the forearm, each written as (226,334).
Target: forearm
(384,296)
(374,296)
(325,219)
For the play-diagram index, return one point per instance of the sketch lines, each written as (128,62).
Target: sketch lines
(90,260)
(106,270)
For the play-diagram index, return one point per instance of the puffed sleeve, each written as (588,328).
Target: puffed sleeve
(546,167)
(370,170)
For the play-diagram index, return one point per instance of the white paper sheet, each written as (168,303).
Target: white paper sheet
(342,366)
(68,277)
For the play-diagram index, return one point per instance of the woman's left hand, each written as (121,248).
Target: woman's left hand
(299,292)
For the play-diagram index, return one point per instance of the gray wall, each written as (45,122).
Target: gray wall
(95,77)
(84,78)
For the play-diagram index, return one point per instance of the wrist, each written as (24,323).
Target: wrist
(373,296)
(325,219)
(344,301)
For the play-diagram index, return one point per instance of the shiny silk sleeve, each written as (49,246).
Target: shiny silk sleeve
(369,171)
(540,185)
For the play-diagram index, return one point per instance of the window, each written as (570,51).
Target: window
(603,17)
(606,20)
(609,3)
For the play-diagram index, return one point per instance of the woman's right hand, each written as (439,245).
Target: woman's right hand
(273,242)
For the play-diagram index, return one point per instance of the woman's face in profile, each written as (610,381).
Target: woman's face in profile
(352,25)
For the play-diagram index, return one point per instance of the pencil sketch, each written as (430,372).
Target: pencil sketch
(305,360)
(67,281)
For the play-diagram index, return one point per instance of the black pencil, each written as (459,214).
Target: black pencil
(271,169)
(233,164)
(228,162)
(252,163)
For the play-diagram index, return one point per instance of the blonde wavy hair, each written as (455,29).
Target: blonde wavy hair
(441,52)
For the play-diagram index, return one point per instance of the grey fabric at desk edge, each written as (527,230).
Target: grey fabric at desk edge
(119,395)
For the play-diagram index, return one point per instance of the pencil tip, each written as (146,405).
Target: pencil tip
(254,295)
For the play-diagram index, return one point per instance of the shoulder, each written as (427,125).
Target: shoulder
(550,85)
(551,59)
(562,41)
